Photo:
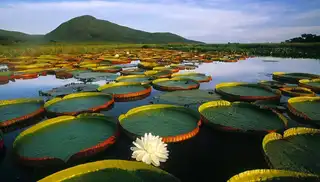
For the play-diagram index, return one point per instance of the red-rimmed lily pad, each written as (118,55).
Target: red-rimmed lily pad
(65,138)
(173,84)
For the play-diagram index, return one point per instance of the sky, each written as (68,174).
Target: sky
(210,21)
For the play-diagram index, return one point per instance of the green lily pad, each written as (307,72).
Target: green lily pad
(112,171)
(297,150)
(306,109)
(241,116)
(272,84)
(172,123)
(135,79)
(76,103)
(186,97)
(173,84)
(313,84)
(136,71)
(95,76)
(292,77)
(271,175)
(69,89)
(241,91)
(194,76)
(65,137)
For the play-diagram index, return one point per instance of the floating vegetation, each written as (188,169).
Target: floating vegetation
(111,171)
(296,91)
(17,111)
(74,104)
(135,79)
(194,76)
(136,71)
(186,98)
(69,89)
(313,84)
(126,90)
(241,116)
(172,123)
(37,146)
(241,91)
(270,104)
(272,84)
(158,74)
(296,150)
(173,84)
(95,76)
(259,175)
(305,109)
(292,77)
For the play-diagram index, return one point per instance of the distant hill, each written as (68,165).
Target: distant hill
(11,37)
(89,29)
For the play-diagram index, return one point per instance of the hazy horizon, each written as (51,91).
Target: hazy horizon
(210,21)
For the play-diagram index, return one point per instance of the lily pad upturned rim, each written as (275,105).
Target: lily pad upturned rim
(304,83)
(296,112)
(284,76)
(100,165)
(277,93)
(51,91)
(25,117)
(206,78)
(257,174)
(223,103)
(291,132)
(168,139)
(135,76)
(81,94)
(156,84)
(147,89)
(81,154)
(289,91)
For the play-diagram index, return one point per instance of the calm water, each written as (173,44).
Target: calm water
(250,70)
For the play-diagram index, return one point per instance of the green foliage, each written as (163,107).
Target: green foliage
(305,38)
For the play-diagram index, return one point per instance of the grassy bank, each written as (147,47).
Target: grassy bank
(294,50)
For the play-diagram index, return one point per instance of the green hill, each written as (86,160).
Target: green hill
(11,37)
(89,29)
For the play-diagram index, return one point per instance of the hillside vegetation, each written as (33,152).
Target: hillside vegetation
(89,29)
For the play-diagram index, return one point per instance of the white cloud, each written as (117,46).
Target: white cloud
(209,20)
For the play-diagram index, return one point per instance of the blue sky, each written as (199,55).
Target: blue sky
(205,20)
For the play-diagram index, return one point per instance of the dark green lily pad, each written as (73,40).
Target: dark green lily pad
(95,76)
(292,77)
(135,79)
(186,97)
(69,89)
(306,109)
(272,175)
(241,116)
(297,150)
(112,171)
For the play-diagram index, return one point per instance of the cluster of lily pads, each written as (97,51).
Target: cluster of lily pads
(175,116)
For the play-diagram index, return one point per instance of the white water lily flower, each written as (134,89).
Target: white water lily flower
(117,55)
(150,149)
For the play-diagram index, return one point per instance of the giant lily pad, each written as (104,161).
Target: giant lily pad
(246,91)
(296,91)
(297,150)
(19,110)
(109,69)
(272,84)
(135,79)
(306,109)
(186,97)
(194,76)
(95,76)
(241,116)
(269,175)
(313,84)
(76,103)
(270,104)
(158,74)
(125,90)
(137,71)
(112,171)
(69,89)
(173,123)
(65,138)
(173,84)
(292,77)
